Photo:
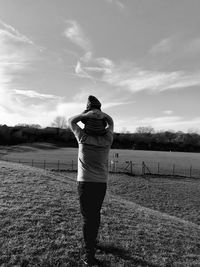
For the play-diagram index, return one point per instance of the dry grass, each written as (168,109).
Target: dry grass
(177,197)
(41,226)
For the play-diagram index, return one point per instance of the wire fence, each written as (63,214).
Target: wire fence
(155,168)
(117,166)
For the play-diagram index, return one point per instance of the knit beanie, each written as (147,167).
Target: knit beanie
(93,103)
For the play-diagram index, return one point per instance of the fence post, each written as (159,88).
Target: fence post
(131,166)
(32,163)
(191,171)
(173,170)
(72,165)
(44,164)
(19,160)
(158,167)
(115,164)
(143,168)
(58,165)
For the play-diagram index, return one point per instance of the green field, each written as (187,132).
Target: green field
(186,164)
(150,222)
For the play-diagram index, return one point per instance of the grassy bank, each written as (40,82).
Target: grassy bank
(40,225)
(175,196)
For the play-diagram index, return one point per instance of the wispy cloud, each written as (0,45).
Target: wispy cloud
(118,3)
(128,76)
(16,50)
(136,79)
(12,60)
(87,66)
(108,105)
(192,46)
(93,68)
(17,55)
(133,78)
(77,36)
(168,112)
(11,32)
(175,123)
(17,104)
(162,123)
(42,113)
(81,72)
(177,46)
(34,94)
(163,46)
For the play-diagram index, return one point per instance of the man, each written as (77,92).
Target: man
(94,144)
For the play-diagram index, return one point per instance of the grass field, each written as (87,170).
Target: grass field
(145,222)
(40,152)
(51,152)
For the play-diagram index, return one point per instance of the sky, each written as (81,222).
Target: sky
(140,58)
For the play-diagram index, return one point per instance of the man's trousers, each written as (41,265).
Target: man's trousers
(91,196)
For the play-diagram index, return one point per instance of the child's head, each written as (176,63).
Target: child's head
(93,103)
(94,126)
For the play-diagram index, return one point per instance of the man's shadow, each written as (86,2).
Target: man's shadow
(123,254)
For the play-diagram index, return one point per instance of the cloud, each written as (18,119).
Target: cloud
(163,46)
(17,52)
(80,71)
(132,78)
(20,105)
(192,46)
(14,52)
(162,123)
(168,112)
(128,76)
(118,3)
(42,113)
(175,53)
(137,79)
(177,46)
(17,55)
(12,33)
(32,107)
(93,68)
(87,66)
(115,104)
(175,123)
(105,62)
(76,35)
(27,102)
(34,94)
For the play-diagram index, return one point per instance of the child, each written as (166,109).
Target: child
(94,126)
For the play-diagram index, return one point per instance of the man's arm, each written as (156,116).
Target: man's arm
(110,122)
(72,122)
(94,114)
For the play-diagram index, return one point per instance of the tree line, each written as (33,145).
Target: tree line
(145,138)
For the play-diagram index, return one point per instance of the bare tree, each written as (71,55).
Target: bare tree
(146,129)
(25,125)
(59,122)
